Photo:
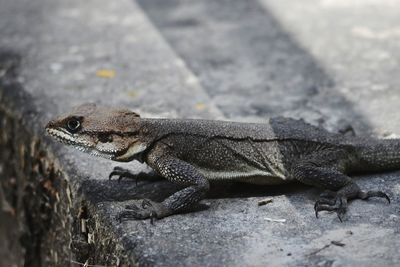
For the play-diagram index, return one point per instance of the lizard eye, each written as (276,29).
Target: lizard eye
(73,125)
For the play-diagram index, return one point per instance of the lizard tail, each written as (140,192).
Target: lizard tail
(378,154)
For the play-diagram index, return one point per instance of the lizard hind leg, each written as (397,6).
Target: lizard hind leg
(339,187)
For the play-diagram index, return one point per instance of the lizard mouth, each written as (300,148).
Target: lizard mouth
(84,145)
(65,137)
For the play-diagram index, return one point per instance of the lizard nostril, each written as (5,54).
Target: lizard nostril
(50,124)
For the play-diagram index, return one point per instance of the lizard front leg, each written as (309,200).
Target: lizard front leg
(176,171)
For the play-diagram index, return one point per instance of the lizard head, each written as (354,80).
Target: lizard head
(100,131)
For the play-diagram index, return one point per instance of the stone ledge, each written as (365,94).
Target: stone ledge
(57,47)
(44,215)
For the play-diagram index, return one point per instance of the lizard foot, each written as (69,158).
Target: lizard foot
(147,210)
(332,201)
(336,203)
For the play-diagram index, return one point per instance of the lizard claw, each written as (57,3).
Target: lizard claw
(122,173)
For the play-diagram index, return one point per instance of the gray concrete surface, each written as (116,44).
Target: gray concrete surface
(330,62)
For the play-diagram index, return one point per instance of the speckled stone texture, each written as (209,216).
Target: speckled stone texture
(333,63)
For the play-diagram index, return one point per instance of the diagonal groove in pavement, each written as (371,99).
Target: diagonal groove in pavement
(248,63)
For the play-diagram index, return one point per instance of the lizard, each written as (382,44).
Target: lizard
(193,152)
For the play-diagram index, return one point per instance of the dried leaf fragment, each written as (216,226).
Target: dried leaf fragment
(200,106)
(105,73)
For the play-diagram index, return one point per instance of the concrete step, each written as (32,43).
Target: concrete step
(241,60)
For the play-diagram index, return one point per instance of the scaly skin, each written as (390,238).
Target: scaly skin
(192,152)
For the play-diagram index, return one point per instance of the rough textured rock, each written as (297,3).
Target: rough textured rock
(241,60)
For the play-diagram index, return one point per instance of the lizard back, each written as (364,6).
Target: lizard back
(278,128)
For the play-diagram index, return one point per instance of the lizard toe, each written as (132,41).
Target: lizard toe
(131,214)
(325,201)
(147,203)
(338,205)
(132,207)
(146,210)
(328,194)
(365,195)
(122,173)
